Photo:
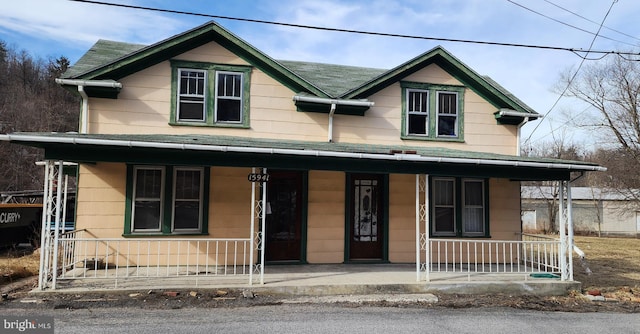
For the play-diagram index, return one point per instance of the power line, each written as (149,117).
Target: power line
(531,46)
(589,20)
(576,72)
(567,24)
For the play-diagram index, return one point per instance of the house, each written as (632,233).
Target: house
(201,155)
(598,211)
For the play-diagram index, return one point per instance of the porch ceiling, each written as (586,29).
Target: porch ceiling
(247,152)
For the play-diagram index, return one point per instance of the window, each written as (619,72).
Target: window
(444,208)
(210,94)
(447,114)
(148,192)
(166,200)
(229,97)
(191,97)
(432,112)
(418,112)
(459,207)
(473,207)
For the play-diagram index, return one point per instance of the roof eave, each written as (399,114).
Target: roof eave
(453,66)
(51,140)
(193,38)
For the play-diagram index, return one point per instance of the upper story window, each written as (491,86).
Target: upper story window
(229,97)
(191,95)
(432,112)
(207,94)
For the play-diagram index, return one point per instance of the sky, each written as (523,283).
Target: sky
(54,28)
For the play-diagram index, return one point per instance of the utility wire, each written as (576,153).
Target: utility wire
(556,48)
(592,21)
(567,24)
(576,72)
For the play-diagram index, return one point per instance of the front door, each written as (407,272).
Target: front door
(284,216)
(366,226)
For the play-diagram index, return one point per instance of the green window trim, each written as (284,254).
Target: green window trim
(432,128)
(458,209)
(166,221)
(210,93)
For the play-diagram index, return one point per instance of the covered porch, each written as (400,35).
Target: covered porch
(81,257)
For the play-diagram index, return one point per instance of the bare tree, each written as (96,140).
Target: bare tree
(559,148)
(612,88)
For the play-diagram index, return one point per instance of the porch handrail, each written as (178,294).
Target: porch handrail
(118,258)
(493,256)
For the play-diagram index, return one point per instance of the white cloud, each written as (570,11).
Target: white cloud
(76,25)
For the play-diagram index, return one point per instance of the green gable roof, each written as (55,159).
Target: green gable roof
(114,60)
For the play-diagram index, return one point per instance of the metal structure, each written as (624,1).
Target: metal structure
(53,211)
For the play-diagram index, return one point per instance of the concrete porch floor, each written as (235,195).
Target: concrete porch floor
(330,279)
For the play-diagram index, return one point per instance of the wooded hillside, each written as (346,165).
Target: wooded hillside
(31,101)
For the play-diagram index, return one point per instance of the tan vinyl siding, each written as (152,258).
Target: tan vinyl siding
(144,107)
(402,218)
(230,203)
(101,199)
(325,223)
(504,206)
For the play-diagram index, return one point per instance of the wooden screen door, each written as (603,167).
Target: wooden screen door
(284,216)
(367,219)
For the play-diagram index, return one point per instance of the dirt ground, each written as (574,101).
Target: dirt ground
(614,264)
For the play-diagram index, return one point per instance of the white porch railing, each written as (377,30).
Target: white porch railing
(83,257)
(490,256)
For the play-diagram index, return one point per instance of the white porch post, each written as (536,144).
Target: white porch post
(44,239)
(418,234)
(562,231)
(422,239)
(570,230)
(56,232)
(427,231)
(252,228)
(264,226)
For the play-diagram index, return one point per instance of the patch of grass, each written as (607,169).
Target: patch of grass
(15,265)
(614,265)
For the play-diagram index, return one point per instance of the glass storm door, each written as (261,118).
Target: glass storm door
(284,216)
(366,221)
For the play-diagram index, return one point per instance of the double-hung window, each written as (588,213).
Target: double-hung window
(432,112)
(191,95)
(187,199)
(447,106)
(229,97)
(210,94)
(148,192)
(418,112)
(459,207)
(166,200)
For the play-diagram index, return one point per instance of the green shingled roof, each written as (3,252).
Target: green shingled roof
(333,79)
(305,145)
(113,60)
(101,53)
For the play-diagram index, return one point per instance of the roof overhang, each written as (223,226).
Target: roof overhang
(229,151)
(509,116)
(93,88)
(324,105)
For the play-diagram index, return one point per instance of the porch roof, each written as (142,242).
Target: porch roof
(289,154)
